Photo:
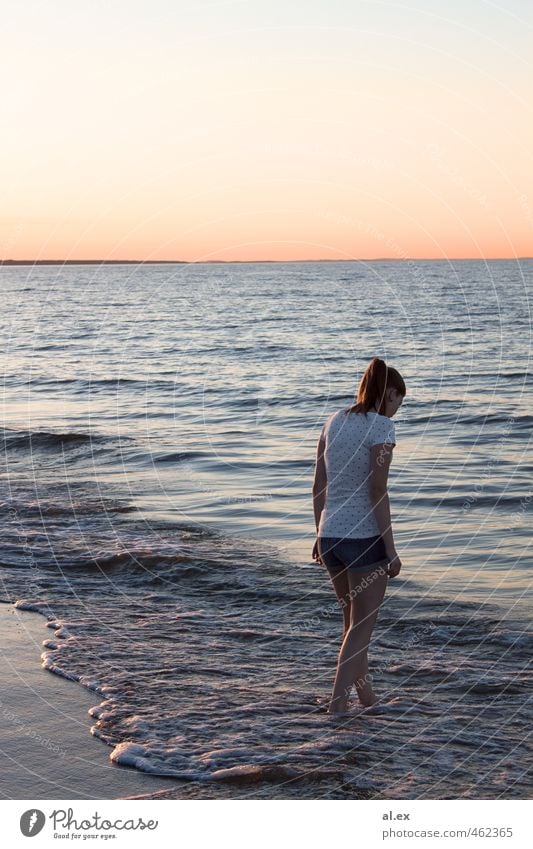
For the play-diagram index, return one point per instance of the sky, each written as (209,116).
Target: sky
(339,129)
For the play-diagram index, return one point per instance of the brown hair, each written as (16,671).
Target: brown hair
(377,378)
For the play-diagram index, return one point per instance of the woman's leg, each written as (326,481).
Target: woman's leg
(341,586)
(367,609)
(352,664)
(338,575)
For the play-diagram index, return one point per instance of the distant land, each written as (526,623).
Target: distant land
(244,261)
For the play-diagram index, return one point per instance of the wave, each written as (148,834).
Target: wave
(470,501)
(480,420)
(49,440)
(49,506)
(175,456)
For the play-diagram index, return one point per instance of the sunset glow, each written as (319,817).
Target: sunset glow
(252,131)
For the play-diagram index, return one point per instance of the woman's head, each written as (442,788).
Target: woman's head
(382,389)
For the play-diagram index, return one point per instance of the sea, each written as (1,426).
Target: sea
(159,431)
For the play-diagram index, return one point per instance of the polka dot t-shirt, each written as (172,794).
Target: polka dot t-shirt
(348,510)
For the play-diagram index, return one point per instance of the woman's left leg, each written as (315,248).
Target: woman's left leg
(341,586)
(338,575)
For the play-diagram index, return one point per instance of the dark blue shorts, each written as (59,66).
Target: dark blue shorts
(359,555)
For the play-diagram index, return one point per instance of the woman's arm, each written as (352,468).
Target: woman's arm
(320,481)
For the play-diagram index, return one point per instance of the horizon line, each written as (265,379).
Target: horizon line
(11,262)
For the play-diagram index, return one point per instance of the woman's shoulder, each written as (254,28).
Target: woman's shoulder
(356,415)
(333,418)
(383,427)
(337,413)
(345,413)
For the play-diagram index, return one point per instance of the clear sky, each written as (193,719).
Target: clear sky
(196,130)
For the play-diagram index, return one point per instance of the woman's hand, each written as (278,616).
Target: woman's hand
(395,564)
(316,554)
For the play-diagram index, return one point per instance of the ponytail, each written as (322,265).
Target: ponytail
(377,378)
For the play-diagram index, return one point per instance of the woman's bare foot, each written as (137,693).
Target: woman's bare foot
(366,694)
(338,706)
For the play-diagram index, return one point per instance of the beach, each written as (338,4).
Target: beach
(49,753)
(46,745)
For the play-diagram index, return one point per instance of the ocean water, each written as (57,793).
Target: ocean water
(159,428)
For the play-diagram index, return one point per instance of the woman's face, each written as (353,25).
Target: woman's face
(394,402)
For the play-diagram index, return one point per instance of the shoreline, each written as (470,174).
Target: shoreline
(50,753)
(48,750)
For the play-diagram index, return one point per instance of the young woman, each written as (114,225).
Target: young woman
(352,515)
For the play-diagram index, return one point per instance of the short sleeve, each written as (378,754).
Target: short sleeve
(383,431)
(325,428)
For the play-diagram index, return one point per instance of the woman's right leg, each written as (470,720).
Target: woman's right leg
(352,665)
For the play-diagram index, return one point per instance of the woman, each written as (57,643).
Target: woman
(352,515)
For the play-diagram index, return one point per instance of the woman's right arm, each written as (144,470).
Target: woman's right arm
(380,459)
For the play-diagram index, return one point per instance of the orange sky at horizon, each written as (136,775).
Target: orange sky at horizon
(352,132)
